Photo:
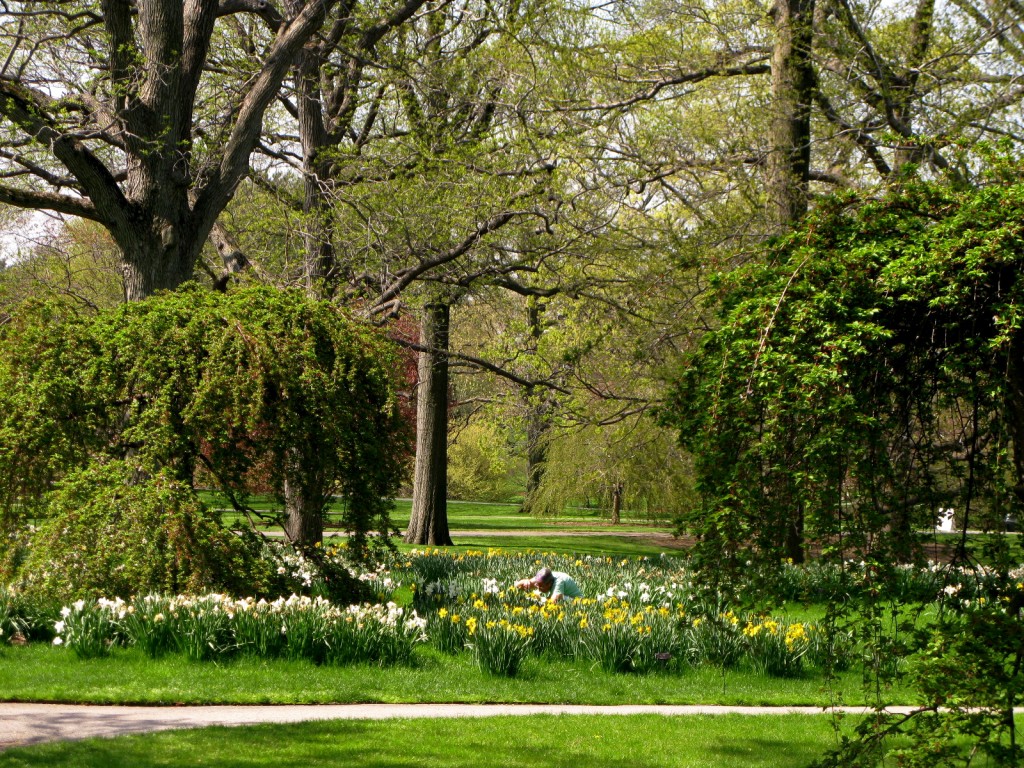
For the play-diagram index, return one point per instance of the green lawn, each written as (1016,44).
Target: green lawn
(646,741)
(44,673)
(546,534)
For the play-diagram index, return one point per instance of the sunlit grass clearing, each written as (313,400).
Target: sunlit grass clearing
(648,741)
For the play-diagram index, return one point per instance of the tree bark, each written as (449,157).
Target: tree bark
(537,428)
(429,520)
(789,161)
(304,509)
(789,165)
(304,503)
(320,259)
(795,535)
(616,503)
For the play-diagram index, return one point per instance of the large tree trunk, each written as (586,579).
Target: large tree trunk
(789,165)
(155,260)
(305,501)
(321,271)
(429,521)
(789,161)
(157,202)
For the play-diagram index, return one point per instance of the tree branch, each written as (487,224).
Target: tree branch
(48,201)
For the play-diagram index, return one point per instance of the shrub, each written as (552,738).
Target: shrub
(111,532)
(106,423)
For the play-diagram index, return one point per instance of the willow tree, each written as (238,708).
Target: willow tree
(869,371)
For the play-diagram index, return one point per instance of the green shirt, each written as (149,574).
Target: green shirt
(564,586)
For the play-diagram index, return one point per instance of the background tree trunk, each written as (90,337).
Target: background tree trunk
(537,428)
(537,422)
(429,521)
(320,259)
(789,163)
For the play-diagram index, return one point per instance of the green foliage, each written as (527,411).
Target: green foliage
(864,376)
(873,341)
(480,464)
(107,424)
(78,264)
(108,532)
(585,465)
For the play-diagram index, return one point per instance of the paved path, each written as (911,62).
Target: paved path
(24,724)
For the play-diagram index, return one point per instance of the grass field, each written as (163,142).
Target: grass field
(43,673)
(642,741)
(484,516)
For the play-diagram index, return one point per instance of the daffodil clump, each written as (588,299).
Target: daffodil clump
(89,627)
(819,581)
(645,615)
(499,646)
(210,626)
(777,647)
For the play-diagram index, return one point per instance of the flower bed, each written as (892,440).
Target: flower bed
(639,615)
(211,626)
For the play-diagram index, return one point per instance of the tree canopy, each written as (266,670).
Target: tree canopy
(865,376)
(126,114)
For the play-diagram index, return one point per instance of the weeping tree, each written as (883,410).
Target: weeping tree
(197,384)
(869,373)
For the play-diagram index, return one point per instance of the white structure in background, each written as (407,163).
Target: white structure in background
(945,521)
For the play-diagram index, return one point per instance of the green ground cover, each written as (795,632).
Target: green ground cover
(645,741)
(38,672)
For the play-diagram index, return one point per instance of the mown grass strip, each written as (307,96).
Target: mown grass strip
(45,673)
(646,741)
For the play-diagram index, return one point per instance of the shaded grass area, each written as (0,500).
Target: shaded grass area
(45,673)
(980,546)
(647,741)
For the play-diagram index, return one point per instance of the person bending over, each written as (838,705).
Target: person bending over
(555,584)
